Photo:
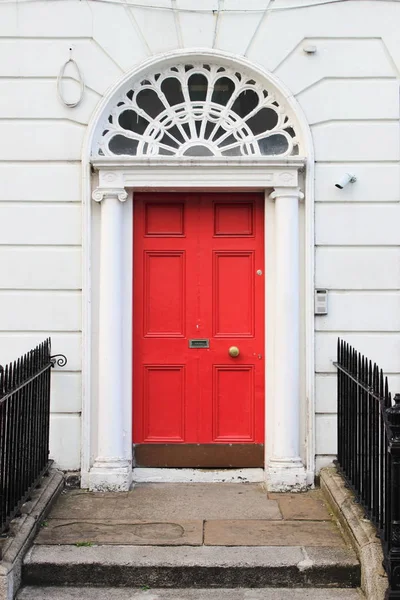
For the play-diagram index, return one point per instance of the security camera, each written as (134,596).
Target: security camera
(347,178)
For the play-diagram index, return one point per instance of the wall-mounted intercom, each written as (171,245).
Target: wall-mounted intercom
(321,302)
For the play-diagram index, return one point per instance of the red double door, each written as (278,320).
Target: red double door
(198,300)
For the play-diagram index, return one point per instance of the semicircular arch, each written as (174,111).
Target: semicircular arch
(198,104)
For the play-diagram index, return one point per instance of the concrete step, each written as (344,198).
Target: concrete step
(191,566)
(54,593)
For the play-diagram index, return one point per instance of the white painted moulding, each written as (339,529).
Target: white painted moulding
(213,173)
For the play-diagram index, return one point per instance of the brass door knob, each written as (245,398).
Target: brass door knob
(234,351)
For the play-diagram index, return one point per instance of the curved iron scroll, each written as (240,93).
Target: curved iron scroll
(58,359)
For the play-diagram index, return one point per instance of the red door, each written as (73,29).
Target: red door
(198,296)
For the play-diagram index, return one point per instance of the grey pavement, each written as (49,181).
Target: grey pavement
(55,593)
(164,502)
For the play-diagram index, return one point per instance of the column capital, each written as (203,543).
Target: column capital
(101,193)
(287,192)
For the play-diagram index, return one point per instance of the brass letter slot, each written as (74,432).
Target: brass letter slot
(205,343)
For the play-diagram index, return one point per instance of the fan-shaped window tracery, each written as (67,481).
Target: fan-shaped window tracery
(198,110)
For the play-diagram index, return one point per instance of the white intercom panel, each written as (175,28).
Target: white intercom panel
(321,302)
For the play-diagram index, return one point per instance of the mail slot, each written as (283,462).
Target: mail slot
(204,343)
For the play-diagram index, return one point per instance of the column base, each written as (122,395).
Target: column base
(110,475)
(286,475)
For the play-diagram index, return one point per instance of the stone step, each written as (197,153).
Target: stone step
(191,567)
(54,593)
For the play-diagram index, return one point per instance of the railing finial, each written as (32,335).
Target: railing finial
(58,359)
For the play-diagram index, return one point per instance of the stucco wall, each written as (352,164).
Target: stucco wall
(348,90)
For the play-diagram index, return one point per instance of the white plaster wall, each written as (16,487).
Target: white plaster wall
(348,90)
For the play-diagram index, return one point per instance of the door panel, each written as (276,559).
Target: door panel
(164,219)
(233,285)
(196,258)
(164,294)
(164,421)
(233,219)
(233,403)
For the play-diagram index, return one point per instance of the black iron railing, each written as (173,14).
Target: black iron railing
(24,427)
(369,450)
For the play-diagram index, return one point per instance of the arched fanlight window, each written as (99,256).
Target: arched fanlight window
(198,110)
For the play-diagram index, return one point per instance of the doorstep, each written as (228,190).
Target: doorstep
(191,535)
(191,515)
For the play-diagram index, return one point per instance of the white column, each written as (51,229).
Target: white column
(112,469)
(285,470)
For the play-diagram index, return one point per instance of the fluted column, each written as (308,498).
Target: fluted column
(112,469)
(285,469)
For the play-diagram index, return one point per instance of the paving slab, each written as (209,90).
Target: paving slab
(271,533)
(188,567)
(54,593)
(191,501)
(186,501)
(64,531)
(308,506)
(82,504)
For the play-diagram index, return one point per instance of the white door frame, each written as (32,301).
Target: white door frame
(107,442)
(112,468)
